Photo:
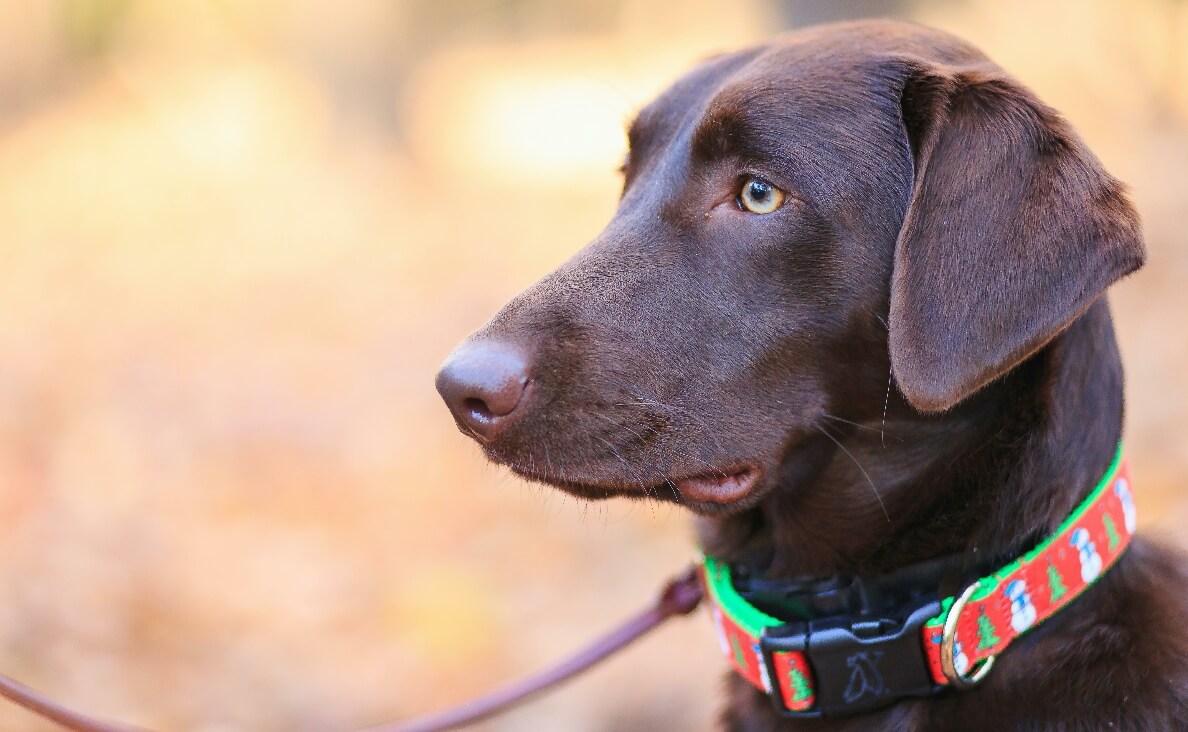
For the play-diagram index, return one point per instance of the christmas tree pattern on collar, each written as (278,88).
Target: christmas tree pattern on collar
(997,609)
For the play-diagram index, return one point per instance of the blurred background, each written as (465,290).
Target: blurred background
(236,241)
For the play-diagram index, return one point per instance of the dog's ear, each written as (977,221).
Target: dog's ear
(1012,231)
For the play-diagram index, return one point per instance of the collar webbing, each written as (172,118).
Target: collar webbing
(999,608)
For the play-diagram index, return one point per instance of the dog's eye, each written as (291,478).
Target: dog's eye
(759,196)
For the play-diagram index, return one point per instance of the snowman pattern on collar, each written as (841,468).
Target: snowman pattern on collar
(960,660)
(1023,612)
(1090,559)
(1129,513)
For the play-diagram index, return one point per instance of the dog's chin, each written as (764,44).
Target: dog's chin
(711,493)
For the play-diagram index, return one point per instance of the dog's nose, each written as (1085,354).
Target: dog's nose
(483,382)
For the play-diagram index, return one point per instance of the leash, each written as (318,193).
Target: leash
(45,708)
(679,597)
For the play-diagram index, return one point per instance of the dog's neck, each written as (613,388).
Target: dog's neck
(987,479)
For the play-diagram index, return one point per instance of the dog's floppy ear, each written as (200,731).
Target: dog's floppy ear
(1012,231)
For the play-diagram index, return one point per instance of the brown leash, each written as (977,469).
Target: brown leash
(20,694)
(679,597)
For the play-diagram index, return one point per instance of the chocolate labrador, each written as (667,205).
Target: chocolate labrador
(851,313)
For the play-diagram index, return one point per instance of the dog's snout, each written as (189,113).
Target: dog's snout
(483,384)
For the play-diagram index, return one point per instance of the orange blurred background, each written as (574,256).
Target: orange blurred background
(236,241)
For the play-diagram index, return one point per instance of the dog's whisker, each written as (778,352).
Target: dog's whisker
(676,489)
(691,417)
(887,393)
(875,490)
(667,410)
(548,460)
(882,432)
(638,476)
(674,451)
(886,401)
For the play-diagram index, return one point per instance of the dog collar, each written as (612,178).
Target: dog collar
(848,663)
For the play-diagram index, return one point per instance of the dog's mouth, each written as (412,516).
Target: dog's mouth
(719,487)
(716,487)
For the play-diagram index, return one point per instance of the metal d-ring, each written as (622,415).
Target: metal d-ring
(948,643)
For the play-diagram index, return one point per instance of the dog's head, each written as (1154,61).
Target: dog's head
(799,223)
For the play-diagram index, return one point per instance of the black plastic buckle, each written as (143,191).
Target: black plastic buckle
(858,664)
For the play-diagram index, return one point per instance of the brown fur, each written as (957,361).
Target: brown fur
(914,351)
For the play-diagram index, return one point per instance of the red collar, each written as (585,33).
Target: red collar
(845,664)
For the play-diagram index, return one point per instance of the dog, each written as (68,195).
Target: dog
(850,312)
